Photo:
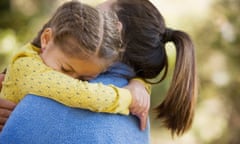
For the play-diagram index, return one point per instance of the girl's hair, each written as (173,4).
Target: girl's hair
(80,30)
(145,36)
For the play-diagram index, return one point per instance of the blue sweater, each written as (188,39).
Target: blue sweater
(39,120)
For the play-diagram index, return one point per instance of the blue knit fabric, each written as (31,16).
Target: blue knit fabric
(38,120)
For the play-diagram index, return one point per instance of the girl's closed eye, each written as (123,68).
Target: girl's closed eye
(68,71)
(65,70)
(86,78)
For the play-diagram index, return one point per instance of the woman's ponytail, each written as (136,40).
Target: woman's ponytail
(145,38)
(177,109)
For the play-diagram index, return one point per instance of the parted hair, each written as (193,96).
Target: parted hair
(80,30)
(145,36)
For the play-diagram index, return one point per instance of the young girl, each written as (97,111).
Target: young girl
(79,42)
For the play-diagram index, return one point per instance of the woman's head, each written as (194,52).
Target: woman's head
(81,31)
(143,27)
(145,36)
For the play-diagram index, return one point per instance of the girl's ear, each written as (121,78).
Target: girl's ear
(46,37)
(119,26)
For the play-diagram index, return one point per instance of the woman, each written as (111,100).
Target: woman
(145,35)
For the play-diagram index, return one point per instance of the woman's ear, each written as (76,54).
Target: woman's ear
(46,37)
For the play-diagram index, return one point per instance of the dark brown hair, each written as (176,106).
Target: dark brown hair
(145,36)
(80,30)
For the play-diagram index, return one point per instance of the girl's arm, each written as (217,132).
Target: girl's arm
(140,102)
(28,75)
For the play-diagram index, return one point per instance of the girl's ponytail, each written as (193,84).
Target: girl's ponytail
(177,109)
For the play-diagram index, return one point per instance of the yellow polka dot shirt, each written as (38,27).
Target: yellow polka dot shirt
(27,74)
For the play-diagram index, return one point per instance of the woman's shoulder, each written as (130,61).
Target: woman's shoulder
(43,117)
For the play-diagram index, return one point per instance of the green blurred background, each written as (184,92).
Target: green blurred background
(214,27)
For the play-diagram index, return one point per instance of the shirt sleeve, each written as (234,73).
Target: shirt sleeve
(30,76)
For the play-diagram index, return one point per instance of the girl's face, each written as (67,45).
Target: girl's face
(84,69)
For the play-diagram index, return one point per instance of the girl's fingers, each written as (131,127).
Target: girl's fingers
(143,121)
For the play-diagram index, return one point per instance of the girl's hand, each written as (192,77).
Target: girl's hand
(140,101)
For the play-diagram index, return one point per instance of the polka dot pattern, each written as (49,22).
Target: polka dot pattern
(27,74)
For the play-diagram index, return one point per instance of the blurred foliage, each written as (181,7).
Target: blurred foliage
(217,41)
(20,20)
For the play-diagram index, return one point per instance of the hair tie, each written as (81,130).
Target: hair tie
(167,36)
